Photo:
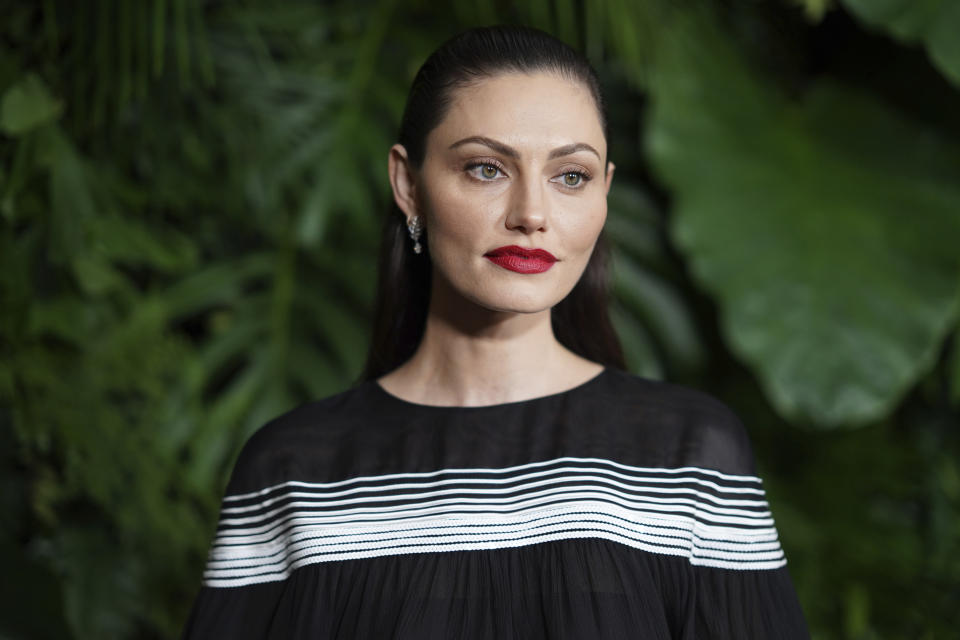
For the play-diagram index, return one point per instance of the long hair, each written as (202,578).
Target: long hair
(580,321)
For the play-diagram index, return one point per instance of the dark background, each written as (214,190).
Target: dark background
(190,199)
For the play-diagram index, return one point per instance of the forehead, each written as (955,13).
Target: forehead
(525,110)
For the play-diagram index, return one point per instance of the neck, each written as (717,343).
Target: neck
(471,355)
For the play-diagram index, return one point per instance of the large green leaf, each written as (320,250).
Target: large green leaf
(935,23)
(827,229)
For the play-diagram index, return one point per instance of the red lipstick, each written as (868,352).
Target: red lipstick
(521,260)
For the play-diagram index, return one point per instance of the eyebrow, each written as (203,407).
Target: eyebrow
(509,151)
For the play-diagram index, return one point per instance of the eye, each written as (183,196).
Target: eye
(484,170)
(573,179)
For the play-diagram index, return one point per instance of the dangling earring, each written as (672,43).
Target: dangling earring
(415,229)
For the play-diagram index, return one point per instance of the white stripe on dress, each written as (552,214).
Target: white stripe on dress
(265,535)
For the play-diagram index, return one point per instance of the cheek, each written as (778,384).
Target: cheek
(582,224)
(459,217)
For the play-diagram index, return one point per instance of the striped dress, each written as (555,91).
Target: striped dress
(621,508)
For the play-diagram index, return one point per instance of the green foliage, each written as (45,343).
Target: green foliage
(652,319)
(870,519)
(27,105)
(190,193)
(850,208)
(934,23)
(815,9)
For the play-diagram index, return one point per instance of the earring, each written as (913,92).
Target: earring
(415,228)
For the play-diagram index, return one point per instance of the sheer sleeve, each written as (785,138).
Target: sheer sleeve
(737,585)
(225,608)
(744,604)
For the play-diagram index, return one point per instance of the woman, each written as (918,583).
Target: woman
(496,473)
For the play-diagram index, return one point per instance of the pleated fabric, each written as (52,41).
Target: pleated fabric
(622,508)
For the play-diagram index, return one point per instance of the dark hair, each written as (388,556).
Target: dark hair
(580,321)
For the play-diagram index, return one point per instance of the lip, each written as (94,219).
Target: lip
(520,259)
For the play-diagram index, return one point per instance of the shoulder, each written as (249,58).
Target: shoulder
(689,427)
(298,444)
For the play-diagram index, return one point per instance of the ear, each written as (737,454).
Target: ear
(402,180)
(609,177)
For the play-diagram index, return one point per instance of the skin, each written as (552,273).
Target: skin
(537,181)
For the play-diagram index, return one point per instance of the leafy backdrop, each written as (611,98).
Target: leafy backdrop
(190,193)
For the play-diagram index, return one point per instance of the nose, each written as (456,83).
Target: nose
(528,206)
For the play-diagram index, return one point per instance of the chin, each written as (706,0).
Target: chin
(516,301)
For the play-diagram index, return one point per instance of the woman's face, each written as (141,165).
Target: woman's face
(518,160)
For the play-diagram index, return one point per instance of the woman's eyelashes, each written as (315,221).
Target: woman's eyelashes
(488,171)
(573,178)
(485,170)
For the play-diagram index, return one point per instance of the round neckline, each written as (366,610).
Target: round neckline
(397,400)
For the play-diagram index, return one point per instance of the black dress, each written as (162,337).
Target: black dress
(622,508)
